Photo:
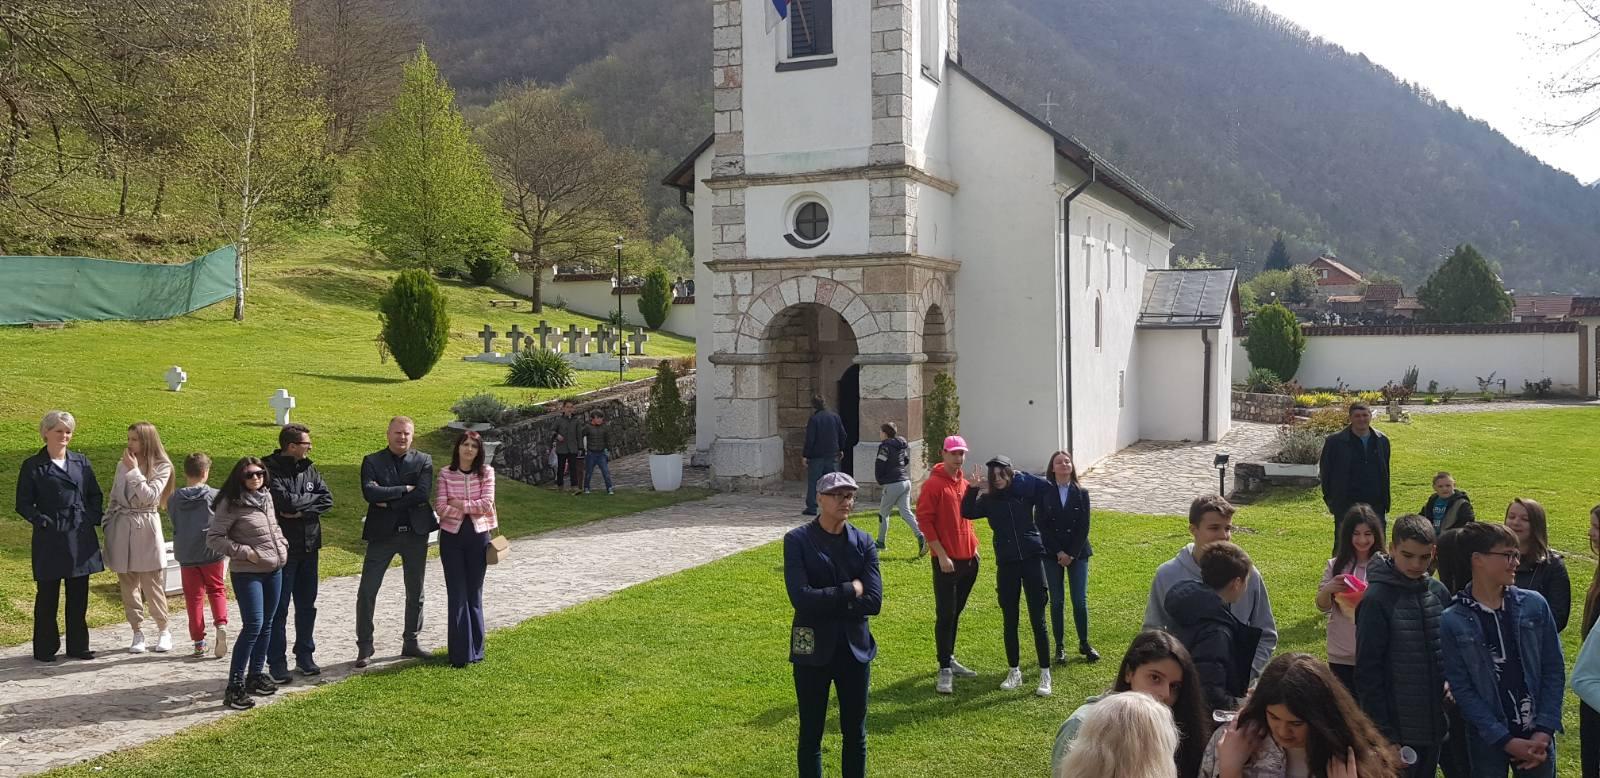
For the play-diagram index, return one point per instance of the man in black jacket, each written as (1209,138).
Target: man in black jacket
(1222,647)
(1399,665)
(396,483)
(825,442)
(1355,468)
(892,468)
(299,497)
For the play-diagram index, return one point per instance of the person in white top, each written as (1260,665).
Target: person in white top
(135,549)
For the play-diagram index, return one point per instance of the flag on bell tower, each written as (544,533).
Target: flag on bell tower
(777,11)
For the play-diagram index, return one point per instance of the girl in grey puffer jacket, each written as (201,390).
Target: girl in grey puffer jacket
(245,528)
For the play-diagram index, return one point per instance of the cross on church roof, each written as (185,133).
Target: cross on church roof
(1047,105)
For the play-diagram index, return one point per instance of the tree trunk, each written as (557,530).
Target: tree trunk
(245,203)
(161,194)
(61,154)
(17,130)
(536,297)
(122,199)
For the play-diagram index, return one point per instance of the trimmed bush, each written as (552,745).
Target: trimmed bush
(483,269)
(1328,421)
(666,422)
(1276,341)
(482,408)
(655,299)
(1299,445)
(540,369)
(416,324)
(941,416)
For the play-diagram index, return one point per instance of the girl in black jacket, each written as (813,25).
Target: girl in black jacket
(1063,518)
(1007,502)
(1541,569)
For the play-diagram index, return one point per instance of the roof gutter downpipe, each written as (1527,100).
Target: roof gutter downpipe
(1066,291)
(1205,408)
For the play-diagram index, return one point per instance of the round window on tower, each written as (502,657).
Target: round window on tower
(808,225)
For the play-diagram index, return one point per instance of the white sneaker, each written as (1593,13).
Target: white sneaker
(946,682)
(961,670)
(163,642)
(1044,683)
(221,641)
(1013,679)
(137,646)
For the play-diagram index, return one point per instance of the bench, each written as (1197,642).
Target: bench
(498,303)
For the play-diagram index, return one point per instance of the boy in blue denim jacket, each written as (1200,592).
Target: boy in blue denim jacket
(1503,661)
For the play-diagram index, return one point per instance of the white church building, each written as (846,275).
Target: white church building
(868,214)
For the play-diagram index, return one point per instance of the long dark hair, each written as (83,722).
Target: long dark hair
(1050,467)
(455,453)
(233,488)
(1189,710)
(1593,597)
(1359,514)
(1537,548)
(1455,567)
(1334,723)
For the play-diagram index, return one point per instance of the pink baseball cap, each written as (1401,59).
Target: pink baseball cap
(955,443)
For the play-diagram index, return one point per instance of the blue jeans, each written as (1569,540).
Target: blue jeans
(1489,761)
(601,460)
(1077,574)
(299,585)
(816,468)
(257,594)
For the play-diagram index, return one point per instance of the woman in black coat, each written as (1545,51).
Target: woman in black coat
(58,494)
(1063,517)
(1007,501)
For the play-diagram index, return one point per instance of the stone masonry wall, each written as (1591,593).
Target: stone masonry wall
(1265,408)
(525,453)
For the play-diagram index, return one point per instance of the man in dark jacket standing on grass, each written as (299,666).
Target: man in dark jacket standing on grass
(1399,667)
(300,497)
(1355,468)
(825,442)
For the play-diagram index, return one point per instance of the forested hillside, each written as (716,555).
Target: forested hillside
(1241,121)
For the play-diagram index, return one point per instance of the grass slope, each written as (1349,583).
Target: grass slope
(310,327)
(686,675)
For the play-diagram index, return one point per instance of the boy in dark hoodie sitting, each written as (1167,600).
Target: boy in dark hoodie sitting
(1222,647)
(1448,507)
(190,509)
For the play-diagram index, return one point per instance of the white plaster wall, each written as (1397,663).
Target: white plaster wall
(1370,361)
(594,298)
(767,218)
(1170,366)
(935,233)
(836,131)
(929,127)
(1003,222)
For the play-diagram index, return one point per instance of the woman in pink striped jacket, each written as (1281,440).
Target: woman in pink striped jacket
(464,500)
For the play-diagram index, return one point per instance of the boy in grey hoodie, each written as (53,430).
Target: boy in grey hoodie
(202,568)
(1211,520)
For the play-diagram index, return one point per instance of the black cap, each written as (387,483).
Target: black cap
(999,460)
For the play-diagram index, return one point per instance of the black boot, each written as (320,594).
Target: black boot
(1089,654)
(237,698)
(260,685)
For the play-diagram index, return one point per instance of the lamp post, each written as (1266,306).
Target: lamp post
(622,349)
(1221,464)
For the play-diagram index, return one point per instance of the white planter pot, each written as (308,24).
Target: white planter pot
(489,449)
(473,426)
(1277,468)
(666,472)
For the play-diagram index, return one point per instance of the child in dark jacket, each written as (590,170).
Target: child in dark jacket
(1448,507)
(201,567)
(1020,551)
(1222,646)
(1399,668)
(598,442)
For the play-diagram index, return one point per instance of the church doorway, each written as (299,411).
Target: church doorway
(814,350)
(848,403)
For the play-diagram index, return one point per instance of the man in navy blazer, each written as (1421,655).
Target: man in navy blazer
(830,569)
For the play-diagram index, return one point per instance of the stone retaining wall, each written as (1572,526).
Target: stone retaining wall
(1250,480)
(525,453)
(1264,408)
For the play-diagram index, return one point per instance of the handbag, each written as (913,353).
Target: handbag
(499,548)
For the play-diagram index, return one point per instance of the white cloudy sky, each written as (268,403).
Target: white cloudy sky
(1490,58)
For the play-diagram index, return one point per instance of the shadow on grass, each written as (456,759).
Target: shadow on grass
(356,379)
(913,701)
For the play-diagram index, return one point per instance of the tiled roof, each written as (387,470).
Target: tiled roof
(1549,306)
(1335,264)
(1408,304)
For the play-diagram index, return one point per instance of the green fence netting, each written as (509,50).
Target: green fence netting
(36,289)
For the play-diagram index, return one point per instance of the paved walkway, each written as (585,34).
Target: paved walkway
(1380,413)
(1162,477)
(62,713)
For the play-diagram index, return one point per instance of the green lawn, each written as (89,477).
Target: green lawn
(310,327)
(687,675)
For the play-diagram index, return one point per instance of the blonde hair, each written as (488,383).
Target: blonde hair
(1125,735)
(152,452)
(55,419)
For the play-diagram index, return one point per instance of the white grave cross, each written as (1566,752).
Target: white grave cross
(281,402)
(176,378)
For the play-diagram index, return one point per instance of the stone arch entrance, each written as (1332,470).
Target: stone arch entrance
(815,352)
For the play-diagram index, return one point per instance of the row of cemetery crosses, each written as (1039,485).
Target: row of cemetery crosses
(605,340)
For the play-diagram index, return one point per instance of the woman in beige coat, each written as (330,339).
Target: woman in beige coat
(245,529)
(135,548)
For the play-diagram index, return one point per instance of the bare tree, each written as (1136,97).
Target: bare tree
(1581,82)
(359,46)
(568,191)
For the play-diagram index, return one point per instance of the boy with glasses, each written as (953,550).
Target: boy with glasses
(1503,661)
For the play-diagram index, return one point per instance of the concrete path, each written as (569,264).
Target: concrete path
(1163,477)
(59,714)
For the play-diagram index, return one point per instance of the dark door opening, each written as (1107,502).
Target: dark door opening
(849,404)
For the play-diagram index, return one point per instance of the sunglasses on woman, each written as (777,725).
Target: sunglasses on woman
(255,474)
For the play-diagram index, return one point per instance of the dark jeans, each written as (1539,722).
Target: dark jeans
(1491,761)
(950,592)
(257,594)
(1011,579)
(1453,755)
(461,554)
(413,550)
(300,587)
(1589,740)
(568,467)
(816,468)
(601,460)
(1058,577)
(46,601)
(811,684)
(1346,675)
